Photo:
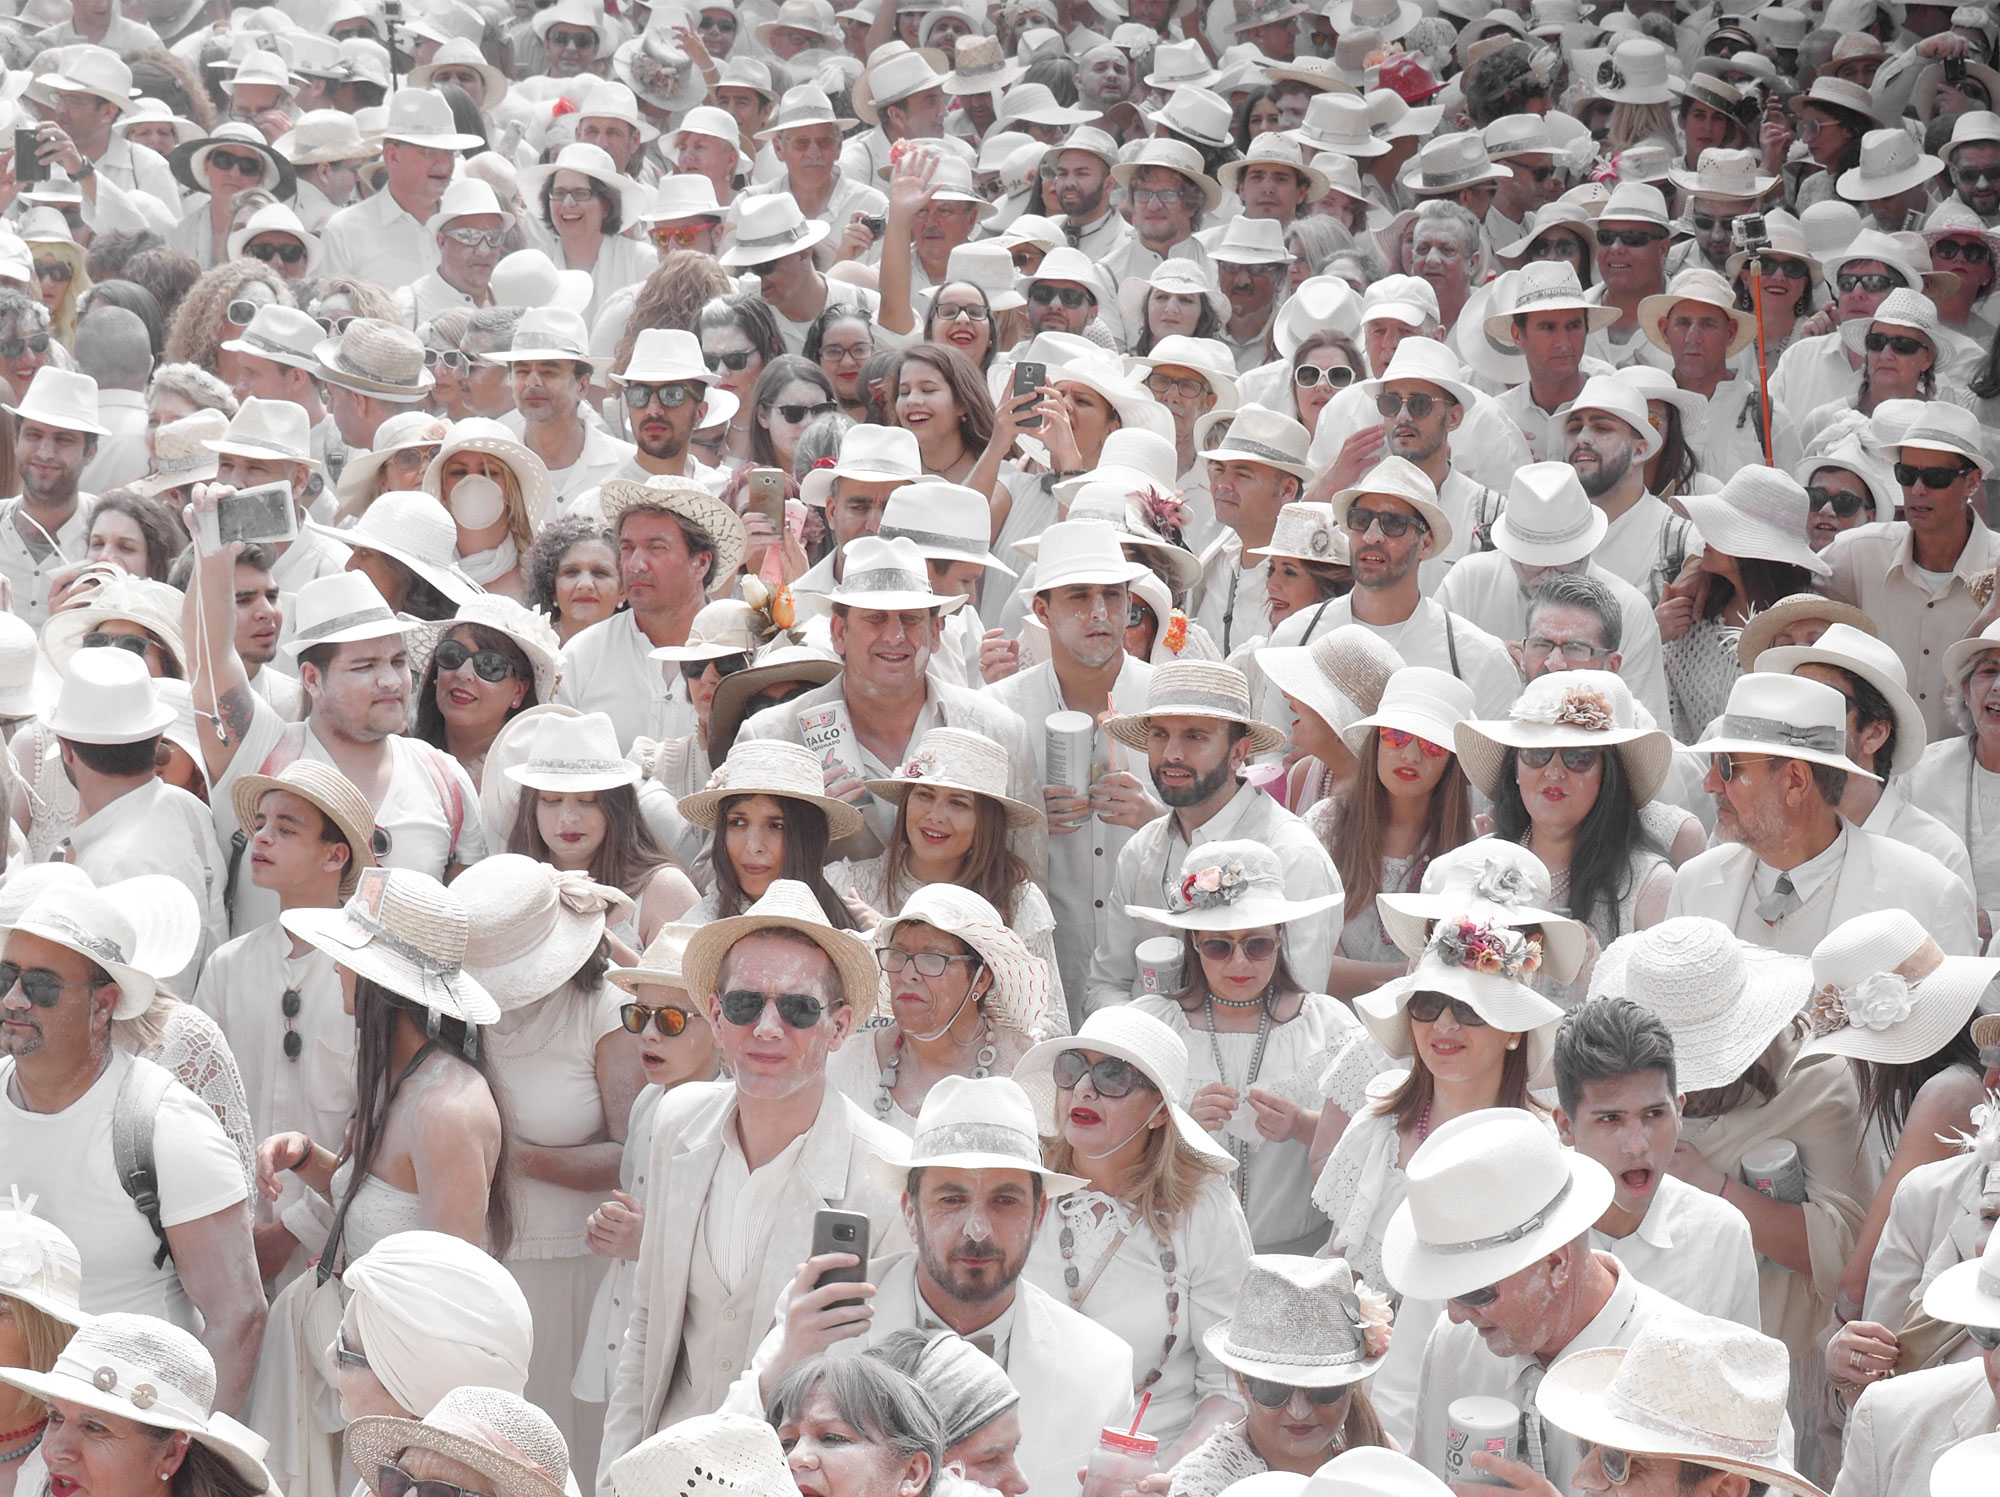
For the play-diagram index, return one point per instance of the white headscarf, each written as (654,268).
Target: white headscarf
(436,1313)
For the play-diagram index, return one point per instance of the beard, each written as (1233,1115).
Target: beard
(1608,474)
(1203,787)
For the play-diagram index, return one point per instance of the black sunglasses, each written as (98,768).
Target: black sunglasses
(394,1481)
(1847,506)
(1070,296)
(1791,270)
(13,348)
(229,161)
(1958,249)
(289,254)
(1705,223)
(1395,527)
(735,363)
(725,665)
(1113,1078)
(793,415)
(673,397)
(288,1005)
(1272,1395)
(43,987)
(1472,1299)
(1575,760)
(742,1007)
(53,270)
(1630,238)
(1907,347)
(489,665)
(134,644)
(1931,478)
(670,1021)
(571,41)
(1428,1007)
(1874,284)
(1985,1337)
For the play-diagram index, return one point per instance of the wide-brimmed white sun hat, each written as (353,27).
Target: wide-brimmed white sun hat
(123,598)
(1505,881)
(1568,709)
(409,526)
(1723,1001)
(1490,1193)
(407,932)
(1783,717)
(1195,688)
(1884,991)
(1303,1322)
(1475,955)
(958,759)
(1230,885)
(1690,1388)
(1891,162)
(786,905)
(491,439)
(1429,703)
(593,162)
(39,1265)
(506,1439)
(1341,675)
(974,1123)
(532,925)
(1760,512)
(1142,1042)
(1847,648)
(406,431)
(770,766)
(1019,994)
(714,1455)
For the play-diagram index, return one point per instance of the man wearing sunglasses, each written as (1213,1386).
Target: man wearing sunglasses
(1815,370)
(739,1167)
(470,231)
(1631,257)
(1521,143)
(1063,293)
(1697,322)
(1973,159)
(665,392)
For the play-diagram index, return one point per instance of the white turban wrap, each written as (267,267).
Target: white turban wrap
(436,1313)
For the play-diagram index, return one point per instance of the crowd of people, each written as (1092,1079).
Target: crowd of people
(1039,748)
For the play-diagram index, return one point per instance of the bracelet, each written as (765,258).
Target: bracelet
(84,172)
(304,1159)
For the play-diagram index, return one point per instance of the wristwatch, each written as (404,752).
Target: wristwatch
(85,172)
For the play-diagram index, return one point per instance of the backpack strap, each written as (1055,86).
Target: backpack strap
(1451,644)
(132,1122)
(438,766)
(1484,515)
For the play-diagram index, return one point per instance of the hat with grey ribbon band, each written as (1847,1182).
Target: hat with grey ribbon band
(885,580)
(1512,1234)
(975,1138)
(1454,176)
(933,538)
(1569,532)
(792,235)
(342,621)
(1233,444)
(1824,740)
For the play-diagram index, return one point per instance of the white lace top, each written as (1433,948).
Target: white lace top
(1701,667)
(193,1047)
(1363,939)
(1218,1462)
(379,1210)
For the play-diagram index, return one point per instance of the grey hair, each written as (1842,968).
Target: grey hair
(18,306)
(494,326)
(885,1407)
(1445,211)
(114,348)
(195,385)
(1581,590)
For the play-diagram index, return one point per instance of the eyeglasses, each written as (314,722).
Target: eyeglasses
(1307,376)
(136,644)
(1791,270)
(1931,478)
(288,1005)
(1906,347)
(1070,296)
(673,397)
(1726,766)
(1222,948)
(1539,173)
(1420,404)
(735,362)
(742,1007)
(670,1021)
(1394,526)
(1615,1463)
(477,238)
(1156,197)
(1575,760)
(1111,1077)
(1630,238)
(1847,506)
(1472,1299)
(678,236)
(571,41)
(1163,385)
(967,312)
(451,358)
(229,161)
(491,665)
(346,1356)
(44,988)
(725,665)
(1959,249)
(1575,651)
(1272,1395)
(1401,738)
(1706,223)
(394,1481)
(793,415)
(1428,1007)
(1985,1337)
(571,197)
(53,270)
(1875,284)
(927,963)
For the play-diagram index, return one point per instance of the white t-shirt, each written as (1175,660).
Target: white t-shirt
(65,1159)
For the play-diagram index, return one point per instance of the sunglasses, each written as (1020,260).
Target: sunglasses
(1427,1007)
(229,161)
(1968,175)
(13,348)
(43,988)
(1575,760)
(477,238)
(1395,527)
(726,665)
(394,1481)
(968,312)
(1539,173)
(1222,948)
(286,254)
(1847,506)
(673,397)
(927,963)
(1705,223)
(1306,376)
(571,41)
(346,1356)
(1272,1395)
(742,1007)
(1630,238)
(136,644)
(1931,478)
(1474,1299)
(490,665)
(1875,284)
(288,1005)
(678,236)
(1985,1337)
(1907,347)
(53,270)
(793,415)
(1401,738)
(1726,765)
(1420,405)
(670,1021)
(333,326)
(450,358)
(1958,249)
(1791,270)
(1070,296)
(735,363)
(1111,1077)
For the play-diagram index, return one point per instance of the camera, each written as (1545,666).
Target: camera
(1954,70)
(1749,233)
(875,223)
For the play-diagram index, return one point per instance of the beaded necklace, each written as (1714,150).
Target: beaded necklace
(37,1430)
(885,1083)
(1079,1289)
(1235,1145)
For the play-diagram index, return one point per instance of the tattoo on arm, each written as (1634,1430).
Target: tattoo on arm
(235,708)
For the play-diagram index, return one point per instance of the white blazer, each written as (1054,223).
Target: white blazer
(1900,1427)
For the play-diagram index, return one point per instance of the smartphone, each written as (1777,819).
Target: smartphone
(1028,378)
(263,513)
(841,1232)
(27,166)
(767,495)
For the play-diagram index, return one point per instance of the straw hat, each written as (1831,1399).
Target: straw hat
(1475,955)
(1301,1322)
(710,1455)
(1891,162)
(1568,709)
(1547,219)
(153,606)
(1417,699)
(894,73)
(958,759)
(406,932)
(1689,1388)
(155,1374)
(1847,648)
(340,607)
(1504,881)
(1782,717)
(1304,532)
(1195,688)
(376,358)
(322,135)
(402,432)
(659,965)
(973,1123)
(1141,1041)
(328,790)
(1232,885)
(1274,149)
(492,439)
(1699,284)
(786,905)
(411,527)
(39,1265)
(1174,156)
(1912,311)
(502,1436)
(725,627)
(181,454)
(1724,1001)
(108,697)
(1885,992)
(1762,632)
(457,53)
(1723,174)
(689,501)
(770,766)
(532,925)
(1398,478)
(1447,164)
(884,574)
(1021,985)
(1341,675)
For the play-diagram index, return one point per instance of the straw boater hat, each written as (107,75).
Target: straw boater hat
(533,925)
(573,755)
(1417,699)
(376,358)
(1477,957)
(1302,1322)
(1019,994)
(331,793)
(1761,633)
(1341,675)
(338,608)
(974,1123)
(527,628)
(786,905)
(770,766)
(181,454)
(414,529)
(689,501)
(322,135)
(659,965)
(153,606)
(1141,1041)
(716,1455)
(402,432)
(1195,688)
(958,759)
(407,932)
(39,1265)
(1568,709)
(1502,880)
(155,1374)
(777,664)
(1847,648)
(1230,886)
(1884,991)
(1782,717)
(1723,1000)
(502,1436)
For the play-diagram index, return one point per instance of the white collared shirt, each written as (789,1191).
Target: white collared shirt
(27,573)
(379,240)
(608,667)
(1695,1249)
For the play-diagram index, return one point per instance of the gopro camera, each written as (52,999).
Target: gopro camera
(1749,233)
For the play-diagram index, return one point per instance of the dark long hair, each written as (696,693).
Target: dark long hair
(1887,1091)
(778,373)
(627,858)
(1363,819)
(201,1473)
(1207,324)
(993,870)
(968,388)
(1675,457)
(1600,868)
(376,1010)
(1195,988)
(806,840)
(430,720)
(1765,582)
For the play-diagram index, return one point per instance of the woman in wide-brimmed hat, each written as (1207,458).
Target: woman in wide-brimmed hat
(1900,344)
(235,159)
(1257,1033)
(60,277)
(406,545)
(580,202)
(41,1294)
(404,445)
(770,818)
(476,670)
(1154,1245)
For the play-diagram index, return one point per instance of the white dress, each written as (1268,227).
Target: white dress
(1365,938)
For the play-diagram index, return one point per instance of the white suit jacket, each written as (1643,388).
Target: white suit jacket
(1934,1204)
(687,1145)
(1901,1426)
(1877,873)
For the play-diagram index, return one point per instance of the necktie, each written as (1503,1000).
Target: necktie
(1534,1449)
(1780,902)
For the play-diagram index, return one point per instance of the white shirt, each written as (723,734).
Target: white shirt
(65,1159)
(1810,372)
(1229,600)
(159,828)
(1632,548)
(1487,447)
(838,294)
(601,458)
(418,301)
(28,574)
(379,240)
(1129,258)
(1541,430)
(608,667)
(1695,1249)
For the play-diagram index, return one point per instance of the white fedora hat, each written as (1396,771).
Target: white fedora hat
(529,278)
(726,1453)
(958,759)
(770,766)
(1502,880)
(411,527)
(882,574)
(802,108)
(1891,162)
(1569,709)
(1941,427)
(1195,688)
(284,335)
(1697,284)
(86,69)
(1081,551)
(892,76)
(1230,885)
(1199,114)
(1398,478)
(769,227)
(319,135)
(680,197)
(1490,1193)
(1178,64)
(1261,435)
(1340,124)
(105,926)
(1304,532)
(407,932)
(666,355)
(1760,512)
(1884,991)
(1547,286)
(531,926)
(1616,397)
(1447,164)
(550,333)
(1142,1042)
(1431,361)
(422,117)
(1548,519)
(277,431)
(469,197)
(1252,241)
(659,965)
(1303,1322)
(985,264)
(1782,717)
(340,607)
(575,755)
(63,398)
(724,627)
(868,454)
(946,522)
(108,696)
(973,1123)
(1341,675)
(1847,648)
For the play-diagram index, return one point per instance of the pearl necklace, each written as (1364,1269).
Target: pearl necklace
(885,1083)
(1235,1145)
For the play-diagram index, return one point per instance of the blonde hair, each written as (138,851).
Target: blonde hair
(43,1337)
(1171,1176)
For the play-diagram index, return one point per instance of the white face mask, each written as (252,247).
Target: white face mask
(477,502)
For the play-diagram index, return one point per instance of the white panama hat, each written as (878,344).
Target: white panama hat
(946,522)
(338,608)
(1847,648)
(576,756)
(1886,992)
(108,697)
(1141,1041)
(868,454)
(889,575)
(973,1123)
(1417,699)
(1781,717)
(1548,519)
(1399,478)
(407,932)
(411,527)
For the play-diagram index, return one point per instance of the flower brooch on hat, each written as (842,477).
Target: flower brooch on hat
(1498,950)
(1880,1001)
(1211,888)
(1581,707)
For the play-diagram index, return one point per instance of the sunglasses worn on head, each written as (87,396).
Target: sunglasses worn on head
(42,987)
(1420,404)
(1339,376)
(735,362)
(1847,506)
(1111,1077)
(490,665)
(793,415)
(1070,296)
(1399,738)
(285,254)
(725,665)
(1931,478)
(1630,238)
(1906,347)
(1427,1007)
(742,1007)
(97,639)
(1575,760)
(670,1021)
(1272,1395)
(1395,527)
(1874,285)
(673,397)
(1222,948)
